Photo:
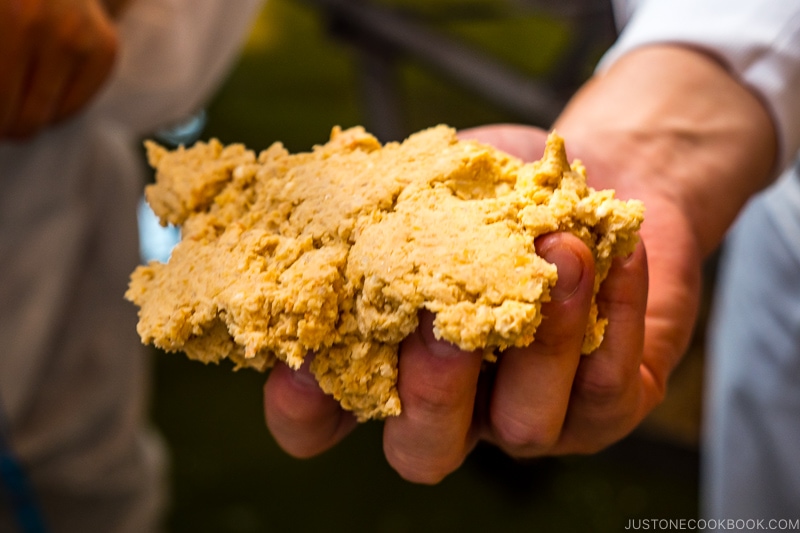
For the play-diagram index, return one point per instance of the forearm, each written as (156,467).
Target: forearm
(670,123)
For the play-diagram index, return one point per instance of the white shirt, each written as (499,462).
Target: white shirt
(759,40)
(59,190)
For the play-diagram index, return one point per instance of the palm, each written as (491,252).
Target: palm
(620,396)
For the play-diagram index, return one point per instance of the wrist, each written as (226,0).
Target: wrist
(670,122)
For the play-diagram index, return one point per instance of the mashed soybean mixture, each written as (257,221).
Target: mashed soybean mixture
(332,253)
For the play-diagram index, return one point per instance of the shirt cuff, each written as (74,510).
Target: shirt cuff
(758,40)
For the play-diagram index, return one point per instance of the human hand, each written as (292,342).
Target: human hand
(666,125)
(54,57)
(448,404)
(671,127)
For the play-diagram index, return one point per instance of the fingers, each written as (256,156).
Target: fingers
(543,399)
(54,57)
(44,85)
(85,82)
(609,395)
(14,59)
(93,69)
(437,384)
(533,384)
(303,420)
(529,394)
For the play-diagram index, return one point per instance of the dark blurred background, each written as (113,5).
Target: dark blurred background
(307,66)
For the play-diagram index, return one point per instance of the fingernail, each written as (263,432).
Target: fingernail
(303,376)
(625,259)
(570,271)
(435,346)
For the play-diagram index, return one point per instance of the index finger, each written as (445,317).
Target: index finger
(612,388)
(533,384)
(437,384)
(303,420)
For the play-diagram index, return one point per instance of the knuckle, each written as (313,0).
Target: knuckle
(433,401)
(523,437)
(602,388)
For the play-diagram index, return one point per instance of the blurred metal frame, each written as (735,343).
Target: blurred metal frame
(381,36)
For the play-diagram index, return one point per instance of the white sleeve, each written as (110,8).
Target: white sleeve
(173,55)
(758,40)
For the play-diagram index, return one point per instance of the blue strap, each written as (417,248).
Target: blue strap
(16,487)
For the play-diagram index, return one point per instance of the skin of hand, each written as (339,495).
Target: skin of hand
(55,56)
(665,124)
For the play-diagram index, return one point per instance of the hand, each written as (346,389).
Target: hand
(521,405)
(670,126)
(54,57)
(544,399)
(666,125)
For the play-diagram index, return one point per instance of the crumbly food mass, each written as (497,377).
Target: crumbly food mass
(333,253)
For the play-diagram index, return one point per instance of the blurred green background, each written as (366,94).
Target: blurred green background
(293,83)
